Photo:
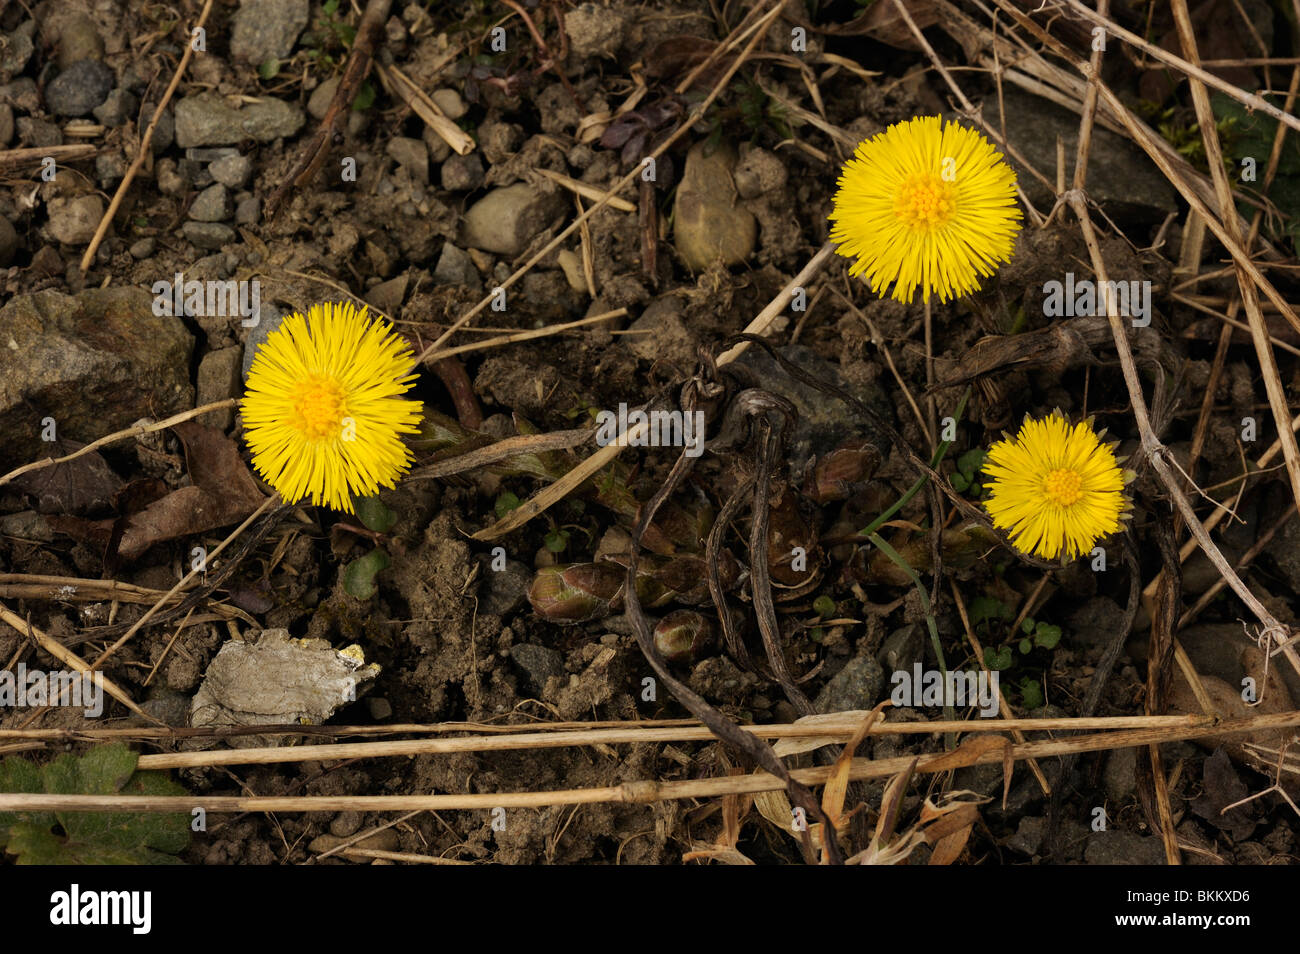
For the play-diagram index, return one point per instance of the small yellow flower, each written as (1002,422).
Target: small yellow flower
(928,206)
(1055,488)
(322,415)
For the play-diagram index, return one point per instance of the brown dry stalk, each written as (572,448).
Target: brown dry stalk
(643,792)
(17,158)
(527,335)
(142,151)
(69,658)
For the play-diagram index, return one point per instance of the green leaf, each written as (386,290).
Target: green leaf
(365,97)
(359,575)
(506,502)
(960,482)
(1027,626)
(1047,636)
(1031,694)
(376,516)
(984,608)
(330,6)
(823,606)
(1025,647)
(557,540)
(92,838)
(999,658)
(970,462)
(269,69)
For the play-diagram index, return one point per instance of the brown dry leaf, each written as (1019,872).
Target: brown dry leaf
(78,486)
(881,21)
(947,826)
(223,493)
(837,785)
(891,803)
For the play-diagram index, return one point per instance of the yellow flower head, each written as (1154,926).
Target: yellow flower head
(1055,488)
(928,206)
(322,415)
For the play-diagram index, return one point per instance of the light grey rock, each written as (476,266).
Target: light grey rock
(856,686)
(450,102)
(218,379)
(463,173)
(456,268)
(73,220)
(267,29)
(37,132)
(505,220)
(117,108)
(319,102)
(16,50)
(232,171)
(411,156)
(208,235)
(708,222)
(248,211)
(212,204)
(206,119)
(594,30)
(143,249)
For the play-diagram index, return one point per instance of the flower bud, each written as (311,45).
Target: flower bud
(683,635)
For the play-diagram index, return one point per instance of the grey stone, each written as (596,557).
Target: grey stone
(708,223)
(411,156)
(21,94)
(15,51)
(208,235)
(110,167)
(1123,848)
(387,296)
(248,211)
(6,124)
(506,219)
(504,590)
(345,824)
(456,268)
(856,686)
(1029,836)
(95,362)
(267,29)
(269,319)
(463,173)
(379,708)
(79,88)
(171,179)
(232,171)
(212,204)
(319,102)
(450,102)
(210,153)
(26,525)
(164,133)
(73,220)
(37,132)
(142,249)
(902,649)
(206,119)
(8,241)
(117,108)
(1120,176)
(218,379)
(537,664)
(660,333)
(437,146)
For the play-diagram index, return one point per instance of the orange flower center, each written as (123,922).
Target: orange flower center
(1063,486)
(926,201)
(319,408)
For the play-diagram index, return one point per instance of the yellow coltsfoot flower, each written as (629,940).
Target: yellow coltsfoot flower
(322,412)
(926,205)
(1055,487)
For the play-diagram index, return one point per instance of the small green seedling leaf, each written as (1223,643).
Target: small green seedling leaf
(1025,646)
(375,514)
(999,658)
(1031,694)
(91,838)
(984,608)
(269,69)
(1027,626)
(960,482)
(823,606)
(359,575)
(970,462)
(556,540)
(506,502)
(365,97)
(1046,636)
